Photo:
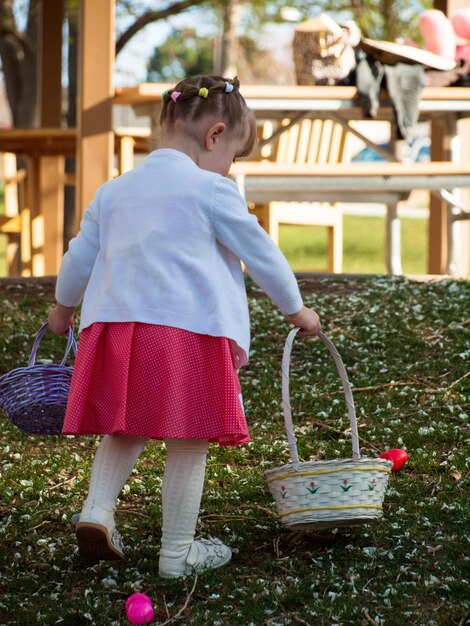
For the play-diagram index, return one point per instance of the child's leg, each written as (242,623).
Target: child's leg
(183,482)
(113,463)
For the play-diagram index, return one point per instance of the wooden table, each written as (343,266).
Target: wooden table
(442,106)
(281,101)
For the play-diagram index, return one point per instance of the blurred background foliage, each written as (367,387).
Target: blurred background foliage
(225,37)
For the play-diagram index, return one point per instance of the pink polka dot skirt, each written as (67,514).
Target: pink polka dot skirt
(155,381)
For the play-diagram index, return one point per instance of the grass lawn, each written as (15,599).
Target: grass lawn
(363,245)
(406,346)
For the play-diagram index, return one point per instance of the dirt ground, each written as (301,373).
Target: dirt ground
(16,289)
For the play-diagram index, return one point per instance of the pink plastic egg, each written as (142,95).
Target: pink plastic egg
(139,609)
(396,456)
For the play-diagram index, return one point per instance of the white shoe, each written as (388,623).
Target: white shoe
(203,554)
(96,534)
(96,543)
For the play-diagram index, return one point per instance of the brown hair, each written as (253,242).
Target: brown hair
(195,97)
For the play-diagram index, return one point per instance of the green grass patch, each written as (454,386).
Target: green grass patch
(363,245)
(405,345)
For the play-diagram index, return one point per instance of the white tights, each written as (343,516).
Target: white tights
(183,482)
(113,463)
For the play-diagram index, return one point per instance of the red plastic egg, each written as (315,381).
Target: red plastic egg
(396,456)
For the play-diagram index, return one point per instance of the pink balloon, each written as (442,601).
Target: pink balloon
(396,456)
(139,609)
(438,33)
(461,23)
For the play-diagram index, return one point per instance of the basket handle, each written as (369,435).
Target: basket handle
(291,438)
(71,345)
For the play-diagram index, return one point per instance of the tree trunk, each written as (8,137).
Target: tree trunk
(229,50)
(18,55)
(390,20)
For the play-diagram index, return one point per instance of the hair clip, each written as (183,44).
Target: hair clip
(175,95)
(228,87)
(203,92)
(164,95)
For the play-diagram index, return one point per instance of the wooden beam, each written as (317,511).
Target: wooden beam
(10,225)
(42,141)
(95,91)
(51,189)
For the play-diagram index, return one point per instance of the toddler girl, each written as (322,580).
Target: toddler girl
(164,319)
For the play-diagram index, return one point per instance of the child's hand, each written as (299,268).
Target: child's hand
(307,320)
(60,319)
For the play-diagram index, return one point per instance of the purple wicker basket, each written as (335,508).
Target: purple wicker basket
(34,397)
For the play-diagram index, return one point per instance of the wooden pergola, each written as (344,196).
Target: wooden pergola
(94,136)
(45,149)
(93,141)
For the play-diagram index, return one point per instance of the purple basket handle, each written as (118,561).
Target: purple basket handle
(71,345)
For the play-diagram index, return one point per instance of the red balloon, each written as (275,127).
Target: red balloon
(397,456)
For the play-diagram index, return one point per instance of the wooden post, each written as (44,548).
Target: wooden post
(464,133)
(95,147)
(156,131)
(437,239)
(32,260)
(47,217)
(12,210)
(438,209)
(125,154)
(51,188)
(463,127)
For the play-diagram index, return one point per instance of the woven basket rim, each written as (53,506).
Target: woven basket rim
(330,465)
(40,367)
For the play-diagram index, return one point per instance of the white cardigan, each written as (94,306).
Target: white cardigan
(162,244)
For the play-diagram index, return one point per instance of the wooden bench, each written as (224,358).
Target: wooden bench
(310,142)
(352,182)
(306,144)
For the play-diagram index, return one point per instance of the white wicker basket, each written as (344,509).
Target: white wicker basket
(321,494)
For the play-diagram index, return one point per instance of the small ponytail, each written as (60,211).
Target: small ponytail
(196,97)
